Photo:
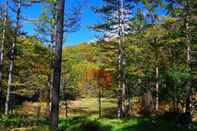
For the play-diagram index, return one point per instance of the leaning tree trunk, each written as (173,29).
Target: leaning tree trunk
(57,64)
(11,55)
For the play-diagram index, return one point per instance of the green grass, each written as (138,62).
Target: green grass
(83,116)
(127,124)
(92,123)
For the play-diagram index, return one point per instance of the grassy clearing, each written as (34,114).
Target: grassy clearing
(83,116)
(81,107)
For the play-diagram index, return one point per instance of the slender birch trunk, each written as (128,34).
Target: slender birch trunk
(121,63)
(189,57)
(99,98)
(2,44)
(12,52)
(157,89)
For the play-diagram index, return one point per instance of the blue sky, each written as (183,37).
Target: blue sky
(84,34)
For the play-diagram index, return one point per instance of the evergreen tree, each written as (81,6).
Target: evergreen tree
(57,64)
(117,14)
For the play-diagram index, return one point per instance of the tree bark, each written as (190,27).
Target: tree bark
(9,88)
(189,57)
(157,89)
(57,64)
(50,81)
(189,91)
(48,100)
(2,44)
(99,100)
(121,63)
(175,103)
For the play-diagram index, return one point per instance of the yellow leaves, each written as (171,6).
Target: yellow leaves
(135,48)
(52,21)
(175,41)
(170,20)
(52,1)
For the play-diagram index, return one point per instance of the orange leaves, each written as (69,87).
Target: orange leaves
(103,77)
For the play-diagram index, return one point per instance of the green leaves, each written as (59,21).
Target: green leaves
(146,3)
(51,1)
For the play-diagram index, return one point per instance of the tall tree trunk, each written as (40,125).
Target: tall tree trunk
(188,43)
(2,44)
(175,103)
(175,99)
(9,87)
(49,79)
(156,103)
(48,100)
(189,91)
(157,89)
(1,61)
(121,63)
(122,86)
(129,101)
(11,55)
(57,64)
(99,99)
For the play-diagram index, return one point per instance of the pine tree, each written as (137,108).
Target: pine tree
(184,12)
(57,64)
(117,15)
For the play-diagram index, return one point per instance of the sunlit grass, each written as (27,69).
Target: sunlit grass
(83,116)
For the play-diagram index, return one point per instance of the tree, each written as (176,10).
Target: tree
(57,64)
(45,27)
(153,18)
(116,18)
(185,11)
(19,4)
(5,17)
(11,55)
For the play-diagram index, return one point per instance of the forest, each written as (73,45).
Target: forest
(139,73)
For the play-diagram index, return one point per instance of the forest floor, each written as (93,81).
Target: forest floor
(83,116)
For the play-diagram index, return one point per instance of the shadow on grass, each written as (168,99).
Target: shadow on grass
(82,124)
(126,124)
(109,113)
(160,126)
(82,111)
(159,123)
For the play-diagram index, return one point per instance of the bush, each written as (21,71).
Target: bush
(16,121)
